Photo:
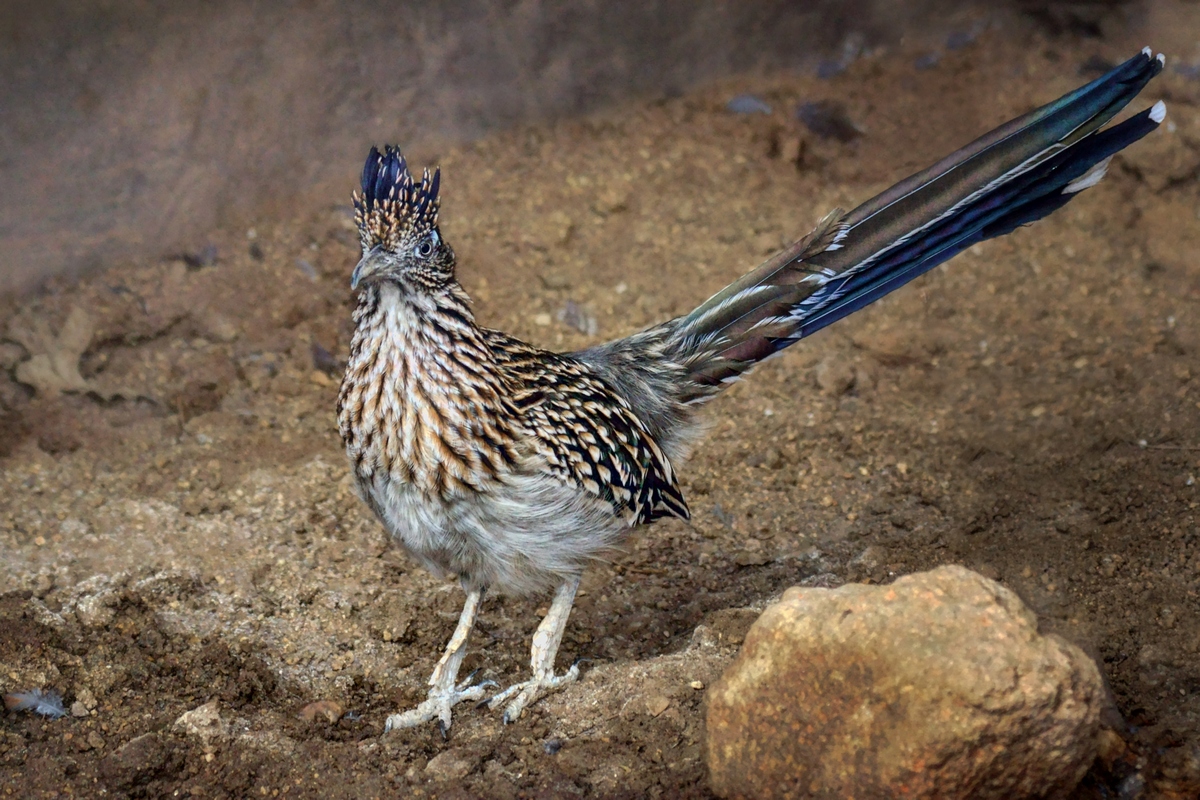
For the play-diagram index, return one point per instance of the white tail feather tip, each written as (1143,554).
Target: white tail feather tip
(1089,178)
(1146,51)
(1158,111)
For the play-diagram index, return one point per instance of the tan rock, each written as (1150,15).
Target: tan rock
(938,685)
(835,377)
(452,765)
(204,722)
(329,710)
(53,366)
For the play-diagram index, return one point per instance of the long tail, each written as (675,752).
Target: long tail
(1014,175)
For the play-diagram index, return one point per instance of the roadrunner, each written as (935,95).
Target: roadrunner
(512,467)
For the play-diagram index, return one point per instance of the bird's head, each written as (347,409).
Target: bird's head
(397,222)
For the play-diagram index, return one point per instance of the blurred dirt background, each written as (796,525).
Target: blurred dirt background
(184,560)
(132,127)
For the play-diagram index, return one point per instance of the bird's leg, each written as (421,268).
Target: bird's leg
(545,647)
(443,694)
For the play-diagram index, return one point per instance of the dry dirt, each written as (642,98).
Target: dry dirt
(180,527)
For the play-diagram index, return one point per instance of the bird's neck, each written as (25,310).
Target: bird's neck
(389,315)
(422,395)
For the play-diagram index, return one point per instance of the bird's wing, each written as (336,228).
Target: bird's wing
(588,434)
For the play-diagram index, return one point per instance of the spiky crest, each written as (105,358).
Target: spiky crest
(392,207)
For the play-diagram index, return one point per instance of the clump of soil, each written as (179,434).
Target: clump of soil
(182,528)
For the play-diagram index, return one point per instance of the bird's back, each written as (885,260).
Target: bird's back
(590,429)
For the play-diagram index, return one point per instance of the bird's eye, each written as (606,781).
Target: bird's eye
(425,248)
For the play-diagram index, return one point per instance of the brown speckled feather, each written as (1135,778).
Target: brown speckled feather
(589,434)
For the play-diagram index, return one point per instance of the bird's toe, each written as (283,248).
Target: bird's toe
(438,706)
(528,692)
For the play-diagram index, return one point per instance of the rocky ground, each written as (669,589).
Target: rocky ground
(185,562)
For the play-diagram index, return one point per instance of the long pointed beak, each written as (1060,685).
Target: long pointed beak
(365,267)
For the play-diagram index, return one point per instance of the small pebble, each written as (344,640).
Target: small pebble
(1132,787)
(791,149)
(219,327)
(452,765)
(555,280)
(870,558)
(957,40)
(307,268)
(988,571)
(1110,746)
(928,61)
(723,516)
(611,201)
(835,377)
(751,558)
(11,354)
(329,709)
(576,316)
(1189,71)
(324,360)
(657,705)
(205,257)
(747,104)
(828,119)
(828,68)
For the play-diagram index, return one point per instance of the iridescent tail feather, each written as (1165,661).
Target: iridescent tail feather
(1010,177)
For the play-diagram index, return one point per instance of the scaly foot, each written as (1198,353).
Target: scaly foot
(541,657)
(437,706)
(530,691)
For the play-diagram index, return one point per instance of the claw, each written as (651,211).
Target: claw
(467,684)
(437,706)
(530,691)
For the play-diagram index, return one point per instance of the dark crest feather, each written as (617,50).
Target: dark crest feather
(385,177)
(391,201)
